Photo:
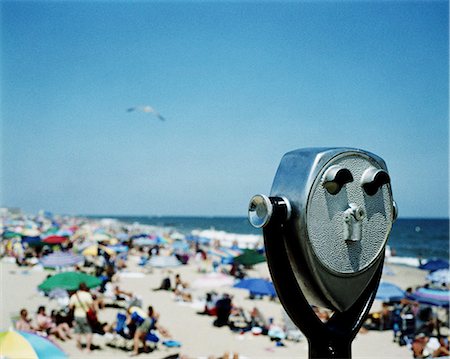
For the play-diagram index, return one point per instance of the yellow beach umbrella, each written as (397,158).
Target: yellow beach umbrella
(23,345)
(93,250)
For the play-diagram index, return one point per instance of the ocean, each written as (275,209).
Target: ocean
(410,237)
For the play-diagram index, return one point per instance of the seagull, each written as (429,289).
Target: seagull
(146,109)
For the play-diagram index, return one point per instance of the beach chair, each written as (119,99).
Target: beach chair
(120,332)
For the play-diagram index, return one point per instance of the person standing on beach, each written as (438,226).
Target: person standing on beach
(81,301)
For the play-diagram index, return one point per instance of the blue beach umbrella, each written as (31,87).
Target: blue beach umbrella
(144,241)
(257,286)
(180,246)
(388,292)
(435,264)
(32,241)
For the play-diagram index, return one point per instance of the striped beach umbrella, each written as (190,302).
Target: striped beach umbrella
(435,297)
(23,345)
(61,259)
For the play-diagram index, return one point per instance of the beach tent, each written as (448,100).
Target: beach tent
(61,259)
(388,292)
(69,281)
(23,345)
(257,286)
(434,264)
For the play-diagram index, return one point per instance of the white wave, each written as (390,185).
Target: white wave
(407,261)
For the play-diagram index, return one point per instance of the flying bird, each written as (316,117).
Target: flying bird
(146,109)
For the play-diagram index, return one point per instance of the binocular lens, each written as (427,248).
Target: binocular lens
(259,211)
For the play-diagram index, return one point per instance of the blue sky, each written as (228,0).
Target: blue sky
(240,83)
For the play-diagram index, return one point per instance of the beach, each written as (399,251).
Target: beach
(198,336)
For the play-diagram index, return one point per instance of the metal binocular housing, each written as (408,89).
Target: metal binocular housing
(336,209)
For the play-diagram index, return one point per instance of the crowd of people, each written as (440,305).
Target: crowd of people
(139,323)
(416,326)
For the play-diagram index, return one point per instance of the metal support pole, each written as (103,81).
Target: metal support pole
(331,340)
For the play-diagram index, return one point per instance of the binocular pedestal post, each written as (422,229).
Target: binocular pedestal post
(332,339)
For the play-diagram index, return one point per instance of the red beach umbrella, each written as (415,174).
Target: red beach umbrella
(54,240)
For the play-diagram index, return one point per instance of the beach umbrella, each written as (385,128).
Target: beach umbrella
(100,237)
(10,234)
(177,236)
(435,297)
(388,292)
(164,261)
(118,248)
(31,232)
(434,264)
(180,246)
(439,276)
(32,241)
(213,280)
(69,281)
(61,259)
(225,257)
(24,345)
(92,250)
(144,241)
(250,257)
(54,239)
(257,286)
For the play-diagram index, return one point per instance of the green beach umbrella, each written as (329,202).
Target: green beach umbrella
(11,234)
(69,281)
(250,257)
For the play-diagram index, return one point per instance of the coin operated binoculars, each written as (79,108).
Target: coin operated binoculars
(325,226)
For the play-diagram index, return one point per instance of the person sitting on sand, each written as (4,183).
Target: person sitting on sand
(24,323)
(180,290)
(46,324)
(223,311)
(443,350)
(150,323)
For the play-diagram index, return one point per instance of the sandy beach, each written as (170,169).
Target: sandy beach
(198,336)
